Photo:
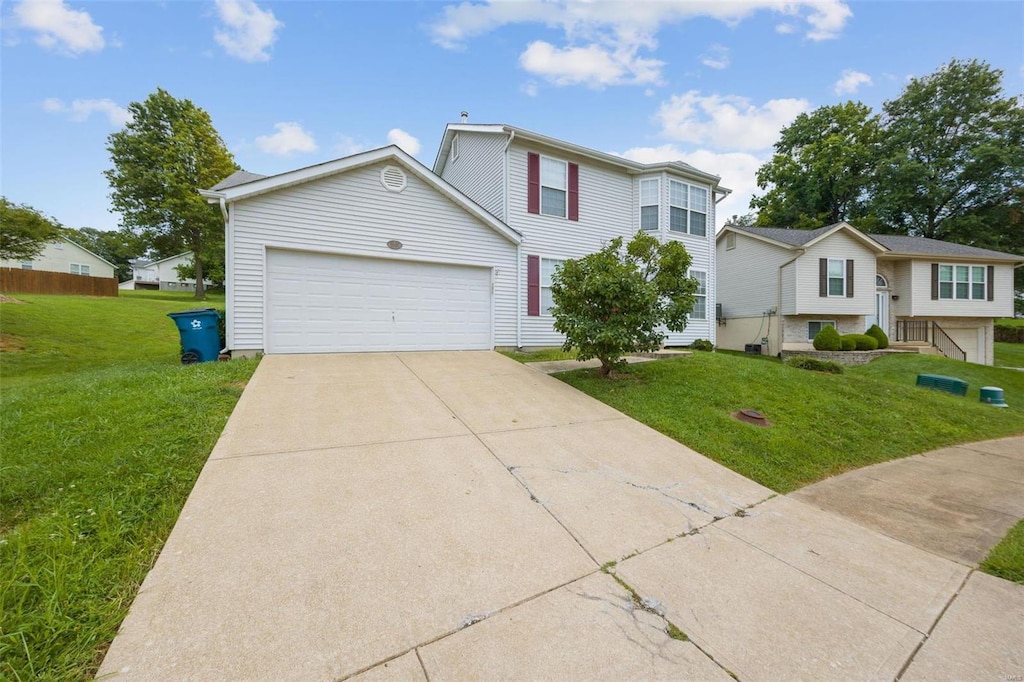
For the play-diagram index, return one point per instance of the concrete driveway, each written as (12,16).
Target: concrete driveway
(394,516)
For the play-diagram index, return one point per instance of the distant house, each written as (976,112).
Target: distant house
(161,274)
(64,255)
(778,287)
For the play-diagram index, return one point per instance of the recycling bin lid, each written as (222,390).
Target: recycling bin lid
(194,312)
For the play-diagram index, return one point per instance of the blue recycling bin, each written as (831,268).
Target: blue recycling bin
(200,334)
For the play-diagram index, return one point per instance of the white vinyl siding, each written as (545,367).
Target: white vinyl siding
(916,299)
(554,187)
(839,246)
(748,276)
(352,214)
(649,204)
(688,208)
(479,171)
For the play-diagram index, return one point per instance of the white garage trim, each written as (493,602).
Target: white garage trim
(431,305)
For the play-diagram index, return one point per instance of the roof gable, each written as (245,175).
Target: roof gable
(902,245)
(272,183)
(82,248)
(801,239)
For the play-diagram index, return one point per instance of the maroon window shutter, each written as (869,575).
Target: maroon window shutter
(533,183)
(574,191)
(849,278)
(823,277)
(533,285)
(990,282)
(935,281)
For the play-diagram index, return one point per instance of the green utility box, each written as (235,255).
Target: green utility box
(941,383)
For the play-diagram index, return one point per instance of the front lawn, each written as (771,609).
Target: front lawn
(1009,354)
(1006,559)
(104,434)
(822,424)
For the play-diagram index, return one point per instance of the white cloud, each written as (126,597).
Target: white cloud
(717,57)
(785,29)
(60,28)
(738,171)
(81,109)
(529,89)
(851,81)
(727,121)
(289,139)
(404,140)
(593,66)
(347,146)
(247,31)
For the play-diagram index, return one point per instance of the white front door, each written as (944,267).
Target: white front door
(881,316)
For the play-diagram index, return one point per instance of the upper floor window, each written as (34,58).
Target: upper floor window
(649,190)
(836,277)
(554,187)
(962,282)
(77,269)
(688,210)
(700,305)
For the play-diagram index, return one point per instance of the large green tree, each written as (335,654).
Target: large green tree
(162,158)
(952,155)
(821,170)
(615,301)
(24,231)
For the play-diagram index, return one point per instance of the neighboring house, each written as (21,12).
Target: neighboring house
(64,255)
(376,252)
(778,287)
(161,274)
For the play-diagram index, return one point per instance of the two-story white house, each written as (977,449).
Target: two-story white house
(778,287)
(161,274)
(64,255)
(376,252)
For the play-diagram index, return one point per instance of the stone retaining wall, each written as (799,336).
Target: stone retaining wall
(843,357)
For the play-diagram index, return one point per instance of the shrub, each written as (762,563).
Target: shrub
(222,326)
(863,341)
(848,343)
(1009,333)
(702,344)
(878,335)
(815,365)
(827,339)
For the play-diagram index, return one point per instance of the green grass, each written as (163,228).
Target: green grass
(104,433)
(1006,560)
(1010,321)
(1009,354)
(540,355)
(822,424)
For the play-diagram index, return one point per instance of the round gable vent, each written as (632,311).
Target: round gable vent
(393,178)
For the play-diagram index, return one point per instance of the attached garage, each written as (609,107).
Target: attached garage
(372,252)
(323,303)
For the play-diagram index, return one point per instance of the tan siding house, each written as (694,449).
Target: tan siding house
(919,291)
(64,255)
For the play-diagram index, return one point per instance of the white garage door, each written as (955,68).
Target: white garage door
(967,339)
(322,303)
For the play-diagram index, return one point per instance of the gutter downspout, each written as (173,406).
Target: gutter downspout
(778,310)
(229,286)
(519,247)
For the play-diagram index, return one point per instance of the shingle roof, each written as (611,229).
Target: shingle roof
(237,178)
(896,244)
(933,247)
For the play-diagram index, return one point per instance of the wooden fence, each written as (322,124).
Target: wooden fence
(17,281)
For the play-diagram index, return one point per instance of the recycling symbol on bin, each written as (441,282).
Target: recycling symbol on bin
(197,324)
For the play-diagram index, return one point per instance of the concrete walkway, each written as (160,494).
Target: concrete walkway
(399,516)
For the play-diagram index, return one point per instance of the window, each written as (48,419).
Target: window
(548,266)
(880,282)
(815,326)
(730,241)
(454,153)
(649,190)
(77,269)
(553,187)
(688,209)
(700,306)
(962,282)
(836,277)
(26,265)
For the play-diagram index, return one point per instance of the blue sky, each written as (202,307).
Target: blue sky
(289,84)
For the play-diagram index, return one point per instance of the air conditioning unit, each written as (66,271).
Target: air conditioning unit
(753,349)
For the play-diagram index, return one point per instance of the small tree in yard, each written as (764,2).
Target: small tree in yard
(614,301)
(24,231)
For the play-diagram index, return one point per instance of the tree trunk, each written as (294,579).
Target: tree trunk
(200,287)
(606,367)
